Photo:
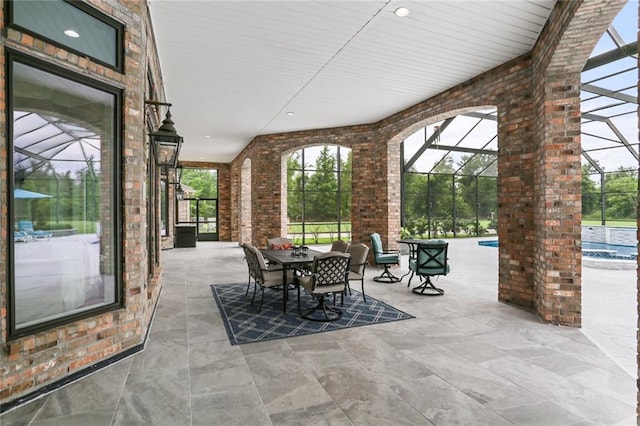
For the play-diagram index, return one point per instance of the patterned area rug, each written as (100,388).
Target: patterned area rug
(245,325)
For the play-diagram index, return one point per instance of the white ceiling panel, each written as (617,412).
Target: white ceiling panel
(233,69)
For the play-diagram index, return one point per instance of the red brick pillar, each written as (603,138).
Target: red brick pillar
(376,193)
(558,201)
(559,56)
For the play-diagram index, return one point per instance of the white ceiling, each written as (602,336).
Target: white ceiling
(233,69)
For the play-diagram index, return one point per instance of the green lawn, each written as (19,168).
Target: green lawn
(325,228)
(612,223)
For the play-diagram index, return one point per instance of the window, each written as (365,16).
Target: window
(319,194)
(73,25)
(64,197)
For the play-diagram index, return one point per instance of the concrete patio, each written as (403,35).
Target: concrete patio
(465,359)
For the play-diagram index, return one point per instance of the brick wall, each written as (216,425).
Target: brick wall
(34,361)
(559,56)
(537,98)
(537,114)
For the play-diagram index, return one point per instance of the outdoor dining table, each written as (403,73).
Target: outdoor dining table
(288,262)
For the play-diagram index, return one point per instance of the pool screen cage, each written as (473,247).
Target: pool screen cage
(449,179)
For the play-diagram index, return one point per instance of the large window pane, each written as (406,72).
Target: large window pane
(64,220)
(319,194)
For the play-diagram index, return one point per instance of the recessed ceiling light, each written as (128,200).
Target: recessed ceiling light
(401,12)
(72,33)
(291,113)
(208,136)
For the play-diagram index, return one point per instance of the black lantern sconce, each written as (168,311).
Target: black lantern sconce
(166,141)
(179,190)
(178,176)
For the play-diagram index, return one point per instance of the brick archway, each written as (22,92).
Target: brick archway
(538,208)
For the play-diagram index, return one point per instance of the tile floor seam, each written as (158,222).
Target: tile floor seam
(124,385)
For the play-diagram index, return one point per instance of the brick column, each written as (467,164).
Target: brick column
(515,192)
(562,49)
(558,201)
(376,192)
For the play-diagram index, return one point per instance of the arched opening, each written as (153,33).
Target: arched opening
(449,177)
(318,202)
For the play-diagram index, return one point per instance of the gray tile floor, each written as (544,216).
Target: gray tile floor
(465,360)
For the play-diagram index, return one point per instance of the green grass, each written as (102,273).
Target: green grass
(611,223)
(295,229)
(83,227)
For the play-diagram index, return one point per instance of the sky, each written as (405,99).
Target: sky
(626,77)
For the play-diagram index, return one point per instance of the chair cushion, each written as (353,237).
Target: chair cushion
(376,242)
(274,278)
(388,258)
(359,253)
(355,276)
(340,245)
(307,283)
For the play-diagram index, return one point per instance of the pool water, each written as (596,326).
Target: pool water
(614,251)
(602,250)
(489,243)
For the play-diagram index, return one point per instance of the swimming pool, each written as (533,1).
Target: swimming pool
(601,250)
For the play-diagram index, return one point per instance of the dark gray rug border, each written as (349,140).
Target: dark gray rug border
(234,341)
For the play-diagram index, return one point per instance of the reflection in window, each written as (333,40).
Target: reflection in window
(72,24)
(164,207)
(63,163)
(319,194)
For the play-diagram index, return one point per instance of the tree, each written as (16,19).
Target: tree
(622,194)
(415,195)
(441,189)
(205,184)
(477,187)
(294,187)
(590,192)
(203,181)
(321,189)
(345,186)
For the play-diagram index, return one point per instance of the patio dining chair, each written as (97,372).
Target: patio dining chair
(279,243)
(386,258)
(359,253)
(263,275)
(328,276)
(248,258)
(340,245)
(431,260)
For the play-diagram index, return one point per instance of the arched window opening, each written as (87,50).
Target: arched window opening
(449,177)
(319,194)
